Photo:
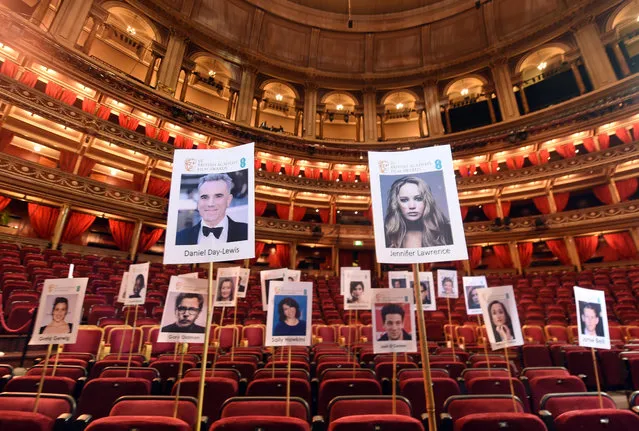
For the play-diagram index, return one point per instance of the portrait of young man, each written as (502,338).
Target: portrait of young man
(590,319)
(393,323)
(216,227)
(188,307)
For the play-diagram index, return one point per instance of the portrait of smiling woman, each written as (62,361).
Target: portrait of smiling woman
(413,218)
(58,323)
(290,322)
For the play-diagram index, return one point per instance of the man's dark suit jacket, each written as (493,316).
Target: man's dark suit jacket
(237,232)
(192,329)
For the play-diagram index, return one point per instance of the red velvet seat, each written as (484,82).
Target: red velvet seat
(99,394)
(330,389)
(265,406)
(25,421)
(344,406)
(51,384)
(557,404)
(413,389)
(216,391)
(541,386)
(498,385)
(376,422)
(459,406)
(497,421)
(263,423)
(277,387)
(597,419)
(156,406)
(138,423)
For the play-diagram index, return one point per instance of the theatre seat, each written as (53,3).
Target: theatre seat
(25,421)
(138,423)
(376,423)
(597,419)
(262,423)
(497,421)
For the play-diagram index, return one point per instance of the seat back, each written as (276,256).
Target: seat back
(540,386)
(459,406)
(99,394)
(498,385)
(472,373)
(155,405)
(138,423)
(597,419)
(413,389)
(146,373)
(73,372)
(557,404)
(532,372)
(264,423)
(278,387)
(25,421)
(493,421)
(216,391)
(50,405)
(376,422)
(51,384)
(330,389)
(343,406)
(265,406)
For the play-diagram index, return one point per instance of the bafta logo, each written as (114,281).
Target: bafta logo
(189,164)
(383,166)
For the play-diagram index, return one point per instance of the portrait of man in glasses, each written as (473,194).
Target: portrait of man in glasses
(188,307)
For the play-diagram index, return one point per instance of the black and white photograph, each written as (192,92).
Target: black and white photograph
(358,296)
(266,278)
(393,321)
(447,284)
(242,287)
(185,308)
(211,207)
(226,286)
(417,217)
(592,318)
(499,310)
(471,293)
(59,311)
(427,291)
(289,314)
(398,279)
(342,278)
(136,284)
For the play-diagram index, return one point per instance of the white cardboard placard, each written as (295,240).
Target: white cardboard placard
(592,318)
(295,298)
(447,284)
(393,321)
(501,318)
(185,308)
(358,295)
(471,293)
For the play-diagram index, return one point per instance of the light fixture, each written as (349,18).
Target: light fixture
(356,212)
(339,107)
(399,106)
(464,92)
(114,171)
(316,210)
(130,30)
(279,97)
(541,66)
(37,148)
(212,73)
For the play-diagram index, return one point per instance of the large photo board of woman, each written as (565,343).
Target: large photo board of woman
(211,215)
(416,213)
(499,309)
(59,312)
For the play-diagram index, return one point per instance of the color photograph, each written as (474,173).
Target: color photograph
(289,314)
(393,321)
(447,284)
(358,296)
(499,310)
(592,318)
(471,293)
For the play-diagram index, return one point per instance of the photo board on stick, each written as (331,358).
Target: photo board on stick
(393,321)
(185,308)
(471,293)
(427,291)
(342,278)
(358,296)
(447,284)
(242,287)
(501,318)
(226,286)
(135,284)
(398,279)
(211,216)
(266,278)
(59,311)
(592,318)
(416,212)
(289,314)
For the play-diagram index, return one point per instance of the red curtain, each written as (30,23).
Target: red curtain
(516,162)
(67,160)
(29,78)
(103,112)
(490,210)
(539,158)
(525,250)
(182,142)
(623,134)
(260,207)
(559,250)
(561,200)
(474,256)
(589,145)
(626,188)
(503,254)
(604,141)
(363,176)
(4,202)
(467,170)
(489,167)
(279,256)
(150,131)
(505,208)
(43,219)
(6,136)
(163,136)
(566,151)
(86,166)
(68,97)
(122,232)
(259,249)
(324,214)
(603,194)
(9,68)
(158,187)
(586,246)
(77,224)
(127,121)
(622,243)
(543,205)
(369,214)
(148,238)
(299,213)
(52,89)
(464,212)
(282,211)
(88,105)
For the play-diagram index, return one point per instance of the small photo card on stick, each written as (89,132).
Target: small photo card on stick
(592,318)
(185,308)
(226,286)
(59,312)
(266,278)
(342,278)
(358,295)
(427,291)
(242,288)
(289,314)
(136,284)
(501,317)
(471,293)
(393,321)
(416,212)
(447,284)
(398,279)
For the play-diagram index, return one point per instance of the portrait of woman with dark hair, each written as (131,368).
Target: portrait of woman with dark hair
(473,297)
(58,323)
(357,291)
(289,318)
(413,219)
(500,321)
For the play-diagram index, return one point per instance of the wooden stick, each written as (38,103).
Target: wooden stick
(207,337)
(234,325)
(423,342)
(272,362)
(55,362)
(175,351)
(126,323)
(135,321)
(288,383)
(394,387)
(179,381)
(485,346)
(218,344)
(44,373)
(510,380)
(596,371)
(452,331)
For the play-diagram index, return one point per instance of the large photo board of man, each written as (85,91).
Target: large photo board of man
(471,293)
(398,279)
(416,213)
(359,290)
(185,308)
(289,314)
(226,286)
(592,318)
(59,312)
(266,278)
(501,317)
(242,287)
(393,321)
(447,284)
(343,288)
(211,216)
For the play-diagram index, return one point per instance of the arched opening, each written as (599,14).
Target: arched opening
(626,26)
(339,119)
(208,86)
(401,118)
(469,104)
(277,109)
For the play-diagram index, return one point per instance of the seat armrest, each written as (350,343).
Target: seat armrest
(635,409)
(205,422)
(82,422)
(445,421)
(243,384)
(548,420)
(318,423)
(63,422)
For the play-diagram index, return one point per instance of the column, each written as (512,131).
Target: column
(291,209)
(572,252)
(433,113)
(614,193)
(358,126)
(293,255)
(551,202)
(310,110)
(514,256)
(257,112)
(59,226)
(135,240)
(621,59)
(332,212)
(40,12)
(97,26)
(524,99)
(185,84)
(578,78)
(504,88)
(449,127)
(491,108)
(382,127)
(68,22)
(370,115)
(296,129)
(149,73)
(594,55)
(172,62)
(247,93)
(229,107)
(466,264)
(420,124)
(321,128)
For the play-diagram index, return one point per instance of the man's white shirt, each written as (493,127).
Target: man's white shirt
(211,240)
